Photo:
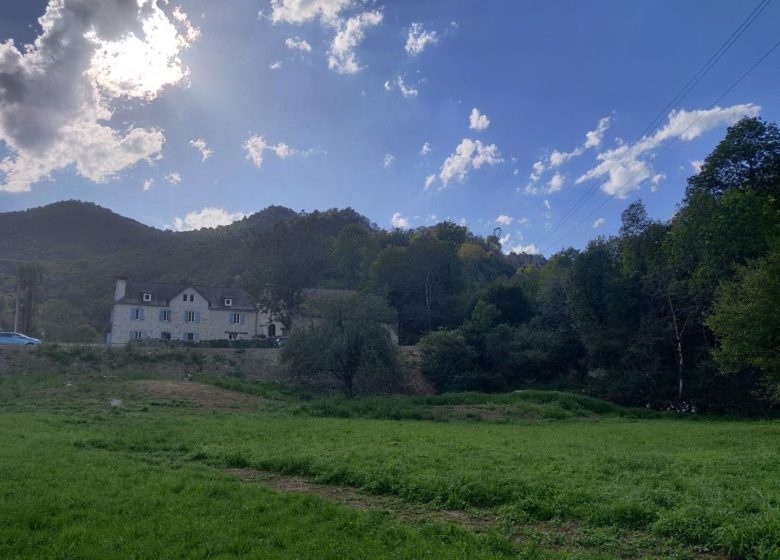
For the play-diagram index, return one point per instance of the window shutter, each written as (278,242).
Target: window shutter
(240,318)
(196,337)
(142,314)
(197,316)
(230,318)
(162,314)
(132,314)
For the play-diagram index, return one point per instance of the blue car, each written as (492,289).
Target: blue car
(17,339)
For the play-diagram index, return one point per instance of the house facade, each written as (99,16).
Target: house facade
(159,311)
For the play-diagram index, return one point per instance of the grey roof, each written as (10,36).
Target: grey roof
(163,293)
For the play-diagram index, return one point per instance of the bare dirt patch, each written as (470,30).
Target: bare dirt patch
(197,394)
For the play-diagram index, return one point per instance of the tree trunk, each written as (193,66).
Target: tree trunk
(678,348)
(348,386)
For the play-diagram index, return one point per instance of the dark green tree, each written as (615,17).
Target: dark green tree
(747,322)
(349,340)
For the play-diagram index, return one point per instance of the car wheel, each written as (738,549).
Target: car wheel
(30,344)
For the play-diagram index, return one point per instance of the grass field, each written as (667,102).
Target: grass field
(548,475)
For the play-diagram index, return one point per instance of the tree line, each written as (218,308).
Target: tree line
(681,314)
(677,314)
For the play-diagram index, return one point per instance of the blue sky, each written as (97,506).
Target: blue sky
(314,104)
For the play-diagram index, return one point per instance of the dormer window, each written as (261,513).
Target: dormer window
(228,302)
(147,296)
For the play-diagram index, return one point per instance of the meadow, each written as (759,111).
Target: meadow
(522,475)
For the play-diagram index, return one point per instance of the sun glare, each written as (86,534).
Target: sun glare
(141,67)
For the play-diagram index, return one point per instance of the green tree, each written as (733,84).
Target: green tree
(749,156)
(350,339)
(292,256)
(61,321)
(29,278)
(747,322)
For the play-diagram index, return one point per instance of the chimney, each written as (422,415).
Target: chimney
(121,287)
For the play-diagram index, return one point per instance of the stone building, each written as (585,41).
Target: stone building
(158,311)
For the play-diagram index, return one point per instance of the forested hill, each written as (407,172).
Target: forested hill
(73,229)
(81,248)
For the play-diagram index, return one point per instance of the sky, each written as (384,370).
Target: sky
(542,119)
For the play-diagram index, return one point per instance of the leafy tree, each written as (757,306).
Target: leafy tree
(448,361)
(29,278)
(291,257)
(61,321)
(749,156)
(350,339)
(747,322)
(424,282)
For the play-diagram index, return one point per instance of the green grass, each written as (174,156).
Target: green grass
(62,501)
(101,477)
(505,407)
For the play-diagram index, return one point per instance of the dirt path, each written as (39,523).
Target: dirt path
(198,394)
(559,537)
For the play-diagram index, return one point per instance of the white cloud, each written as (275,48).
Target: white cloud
(173,178)
(523,221)
(399,221)
(200,145)
(429,181)
(696,165)
(598,223)
(557,158)
(406,90)
(418,39)
(302,11)
(555,184)
(593,137)
(624,168)
(468,154)
(504,220)
(388,160)
(276,65)
(298,44)
(256,145)
(655,181)
(349,32)
(341,55)
(527,249)
(478,121)
(56,94)
(426,149)
(148,184)
(209,217)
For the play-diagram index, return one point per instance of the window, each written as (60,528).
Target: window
(137,314)
(165,335)
(232,336)
(165,314)
(184,297)
(147,296)
(190,336)
(228,302)
(235,319)
(271,330)
(192,297)
(135,335)
(190,316)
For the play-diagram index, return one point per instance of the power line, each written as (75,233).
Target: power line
(655,156)
(679,97)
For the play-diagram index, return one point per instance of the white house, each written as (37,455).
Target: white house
(145,310)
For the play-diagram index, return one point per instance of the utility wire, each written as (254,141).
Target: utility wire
(714,103)
(679,97)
